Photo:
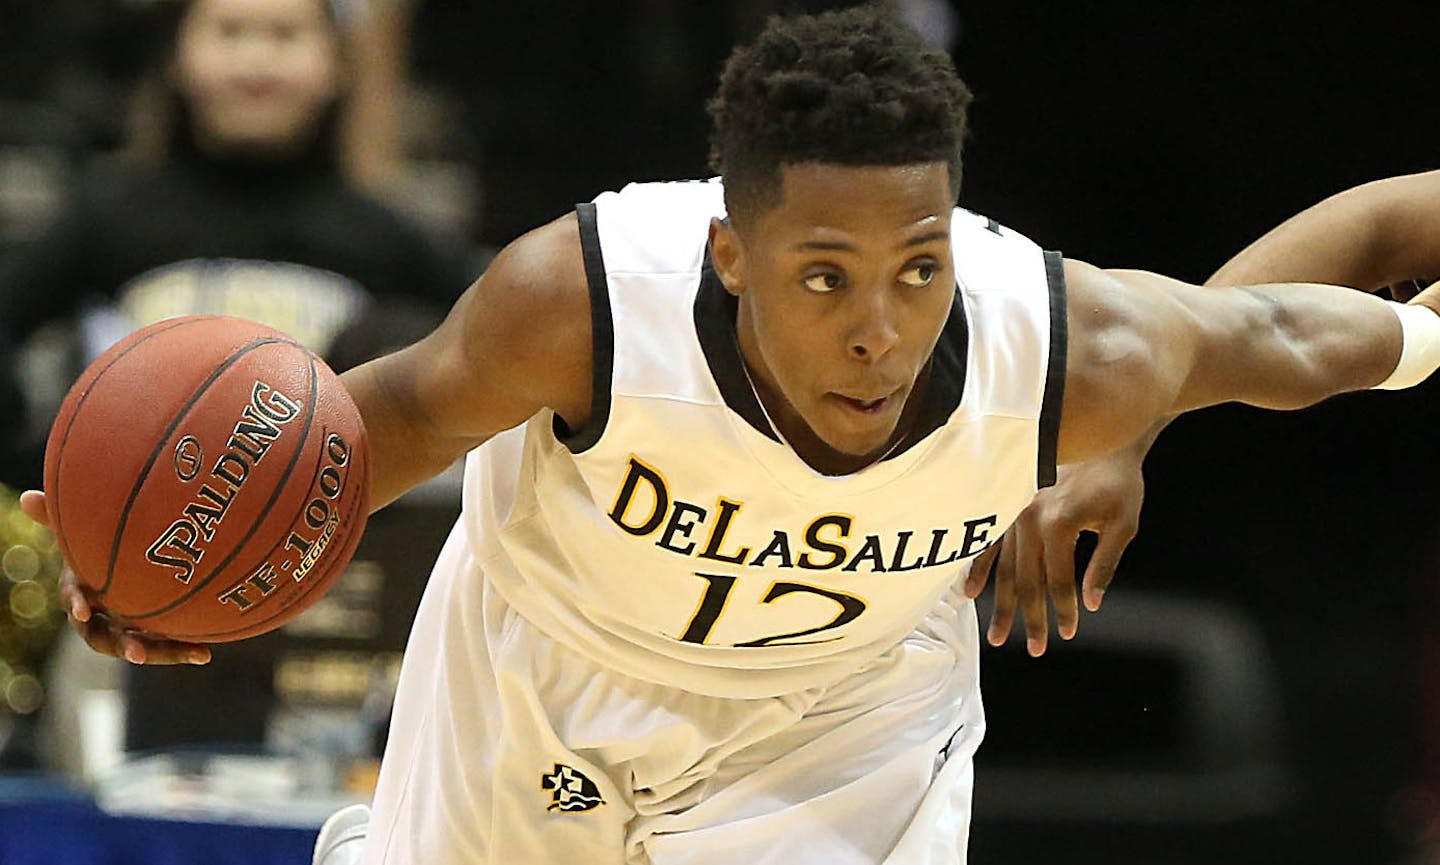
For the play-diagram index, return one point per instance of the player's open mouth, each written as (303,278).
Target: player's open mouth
(864,406)
(258,88)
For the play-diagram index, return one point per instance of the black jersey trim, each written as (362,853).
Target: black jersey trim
(602,339)
(946,384)
(1053,399)
(715,311)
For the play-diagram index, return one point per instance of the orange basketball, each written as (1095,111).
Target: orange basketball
(207,479)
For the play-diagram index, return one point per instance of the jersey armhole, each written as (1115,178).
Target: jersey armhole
(1053,397)
(602,337)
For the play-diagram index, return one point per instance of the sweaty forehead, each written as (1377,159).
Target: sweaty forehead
(861,199)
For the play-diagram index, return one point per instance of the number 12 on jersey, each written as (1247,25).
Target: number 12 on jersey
(717,595)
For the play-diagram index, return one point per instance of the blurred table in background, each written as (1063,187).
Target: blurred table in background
(43,822)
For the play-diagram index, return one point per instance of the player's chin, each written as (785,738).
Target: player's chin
(859,442)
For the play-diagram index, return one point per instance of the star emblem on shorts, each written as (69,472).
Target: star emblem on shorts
(570,790)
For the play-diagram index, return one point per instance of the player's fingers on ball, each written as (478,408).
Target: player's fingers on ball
(132,648)
(1060,579)
(1004,613)
(1103,563)
(32,504)
(76,605)
(99,636)
(980,570)
(140,648)
(169,652)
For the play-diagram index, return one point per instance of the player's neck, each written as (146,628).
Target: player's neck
(812,449)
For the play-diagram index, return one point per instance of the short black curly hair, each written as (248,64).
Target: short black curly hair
(851,87)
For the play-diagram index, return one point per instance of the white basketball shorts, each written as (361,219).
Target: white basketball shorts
(507,747)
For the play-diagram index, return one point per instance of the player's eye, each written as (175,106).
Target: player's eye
(920,274)
(824,282)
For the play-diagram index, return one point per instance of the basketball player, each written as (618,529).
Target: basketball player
(732,448)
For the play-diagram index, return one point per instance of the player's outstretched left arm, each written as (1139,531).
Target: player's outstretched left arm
(1385,233)
(1143,347)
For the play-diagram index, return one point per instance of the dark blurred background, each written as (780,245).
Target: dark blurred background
(1167,137)
(1260,683)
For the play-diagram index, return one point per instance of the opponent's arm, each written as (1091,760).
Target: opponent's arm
(1370,236)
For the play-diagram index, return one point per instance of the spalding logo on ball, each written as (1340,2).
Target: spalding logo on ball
(207,479)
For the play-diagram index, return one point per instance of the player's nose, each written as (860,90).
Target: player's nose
(874,326)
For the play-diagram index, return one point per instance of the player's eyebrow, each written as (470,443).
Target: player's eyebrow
(927,237)
(824,245)
(845,246)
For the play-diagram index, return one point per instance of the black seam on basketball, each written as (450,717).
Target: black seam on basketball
(54,495)
(160,446)
(347,551)
(264,512)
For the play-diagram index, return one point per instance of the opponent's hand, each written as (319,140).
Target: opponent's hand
(1036,557)
(101,634)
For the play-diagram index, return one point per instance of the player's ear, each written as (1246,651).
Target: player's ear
(728,255)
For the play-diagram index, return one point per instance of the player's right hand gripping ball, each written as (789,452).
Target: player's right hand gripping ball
(207,479)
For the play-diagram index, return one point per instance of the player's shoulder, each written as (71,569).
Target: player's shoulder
(543,258)
(526,322)
(535,290)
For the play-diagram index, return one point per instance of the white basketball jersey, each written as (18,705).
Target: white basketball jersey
(677,538)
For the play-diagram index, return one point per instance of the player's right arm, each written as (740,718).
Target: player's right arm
(517,342)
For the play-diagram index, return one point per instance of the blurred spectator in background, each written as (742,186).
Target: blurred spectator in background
(237,204)
(235,196)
